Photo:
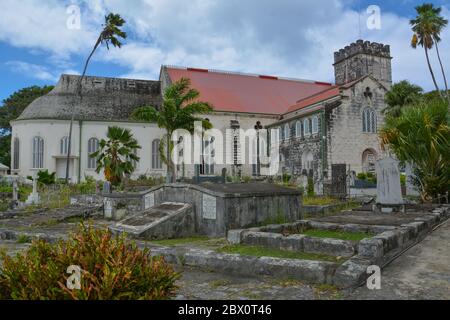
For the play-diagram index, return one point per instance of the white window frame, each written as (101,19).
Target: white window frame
(315,125)
(156,158)
(287,131)
(298,129)
(306,127)
(93,146)
(38,152)
(64,145)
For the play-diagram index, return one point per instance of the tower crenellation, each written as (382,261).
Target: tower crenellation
(363,58)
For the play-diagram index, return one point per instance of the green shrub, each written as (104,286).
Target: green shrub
(403,180)
(46,178)
(246,179)
(310,190)
(286,178)
(112,269)
(362,176)
(87,186)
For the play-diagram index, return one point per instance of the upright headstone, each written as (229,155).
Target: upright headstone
(106,187)
(33,198)
(389,191)
(224,175)
(411,189)
(15,187)
(339,180)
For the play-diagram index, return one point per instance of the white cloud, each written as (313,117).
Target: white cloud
(31,70)
(283,37)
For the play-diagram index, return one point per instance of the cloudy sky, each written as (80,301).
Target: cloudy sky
(292,38)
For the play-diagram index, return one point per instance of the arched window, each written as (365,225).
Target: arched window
(16,146)
(92,147)
(369,118)
(287,133)
(156,158)
(306,127)
(298,129)
(281,134)
(307,161)
(38,153)
(64,146)
(369,158)
(315,125)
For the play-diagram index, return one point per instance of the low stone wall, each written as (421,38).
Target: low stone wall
(378,250)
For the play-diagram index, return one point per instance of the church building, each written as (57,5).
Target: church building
(319,124)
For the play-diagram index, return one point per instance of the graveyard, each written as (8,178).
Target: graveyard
(256,230)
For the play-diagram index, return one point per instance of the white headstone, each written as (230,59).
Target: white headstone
(389,190)
(107,208)
(209,207)
(149,200)
(34,198)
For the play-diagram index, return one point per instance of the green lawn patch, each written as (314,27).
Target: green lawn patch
(342,235)
(319,201)
(276,253)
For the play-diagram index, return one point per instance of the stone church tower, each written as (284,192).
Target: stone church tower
(363,58)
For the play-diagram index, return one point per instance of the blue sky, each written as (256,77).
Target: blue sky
(280,37)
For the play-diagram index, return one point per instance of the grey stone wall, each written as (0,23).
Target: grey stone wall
(363,58)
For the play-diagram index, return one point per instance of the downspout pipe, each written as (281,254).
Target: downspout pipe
(80,124)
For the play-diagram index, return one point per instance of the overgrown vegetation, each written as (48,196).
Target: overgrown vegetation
(320,201)
(112,268)
(421,136)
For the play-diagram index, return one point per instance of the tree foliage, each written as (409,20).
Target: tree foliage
(421,136)
(11,109)
(116,156)
(402,94)
(180,110)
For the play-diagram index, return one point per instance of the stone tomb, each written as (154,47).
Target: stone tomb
(217,208)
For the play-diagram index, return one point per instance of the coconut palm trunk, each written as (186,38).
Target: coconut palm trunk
(431,71)
(79,94)
(447,94)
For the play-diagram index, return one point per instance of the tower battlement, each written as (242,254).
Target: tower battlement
(363,47)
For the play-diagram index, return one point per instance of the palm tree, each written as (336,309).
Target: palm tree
(110,34)
(401,94)
(117,155)
(424,28)
(180,109)
(421,136)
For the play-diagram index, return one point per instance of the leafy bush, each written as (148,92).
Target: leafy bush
(46,178)
(286,178)
(86,187)
(246,179)
(112,269)
(362,176)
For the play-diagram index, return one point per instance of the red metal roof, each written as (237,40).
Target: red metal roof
(247,93)
(316,98)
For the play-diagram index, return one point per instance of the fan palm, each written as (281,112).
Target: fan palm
(427,27)
(110,34)
(180,109)
(117,155)
(421,135)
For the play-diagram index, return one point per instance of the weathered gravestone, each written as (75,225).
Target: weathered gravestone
(389,191)
(106,187)
(34,198)
(339,180)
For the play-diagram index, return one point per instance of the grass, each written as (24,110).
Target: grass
(342,235)
(181,241)
(276,253)
(23,239)
(320,201)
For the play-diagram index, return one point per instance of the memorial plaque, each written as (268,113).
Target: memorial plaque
(149,201)
(209,207)
(107,209)
(389,190)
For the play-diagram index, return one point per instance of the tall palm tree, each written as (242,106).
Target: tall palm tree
(110,34)
(117,155)
(424,28)
(180,109)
